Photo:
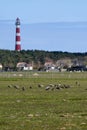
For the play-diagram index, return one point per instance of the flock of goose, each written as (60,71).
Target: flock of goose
(46,87)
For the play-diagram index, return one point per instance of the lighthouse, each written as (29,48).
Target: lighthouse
(18,38)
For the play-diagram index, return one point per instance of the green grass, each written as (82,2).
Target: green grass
(38,109)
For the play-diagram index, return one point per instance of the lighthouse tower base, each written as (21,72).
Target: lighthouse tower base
(17,47)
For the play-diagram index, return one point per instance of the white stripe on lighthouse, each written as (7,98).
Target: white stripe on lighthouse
(17,42)
(17,34)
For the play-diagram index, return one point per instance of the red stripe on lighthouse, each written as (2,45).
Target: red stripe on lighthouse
(18,38)
(17,30)
(18,47)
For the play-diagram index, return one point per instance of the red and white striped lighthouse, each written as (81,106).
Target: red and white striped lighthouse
(18,38)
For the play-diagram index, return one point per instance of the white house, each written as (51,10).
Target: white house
(24,66)
(1,66)
(49,65)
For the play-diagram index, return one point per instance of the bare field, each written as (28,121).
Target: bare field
(43,101)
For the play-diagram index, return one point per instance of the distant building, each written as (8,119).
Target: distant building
(49,66)
(1,66)
(24,66)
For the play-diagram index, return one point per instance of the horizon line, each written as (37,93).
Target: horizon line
(49,22)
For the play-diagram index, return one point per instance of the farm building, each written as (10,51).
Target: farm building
(1,66)
(24,66)
(49,66)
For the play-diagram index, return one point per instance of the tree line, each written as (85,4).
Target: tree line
(10,58)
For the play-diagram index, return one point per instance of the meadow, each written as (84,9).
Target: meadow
(33,107)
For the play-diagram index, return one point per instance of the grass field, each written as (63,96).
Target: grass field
(35,108)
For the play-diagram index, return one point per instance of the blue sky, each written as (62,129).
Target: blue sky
(37,11)
(53,25)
